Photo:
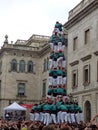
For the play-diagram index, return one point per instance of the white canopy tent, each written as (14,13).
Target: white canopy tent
(15,106)
(14,109)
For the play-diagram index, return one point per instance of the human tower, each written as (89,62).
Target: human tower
(57,63)
(58,107)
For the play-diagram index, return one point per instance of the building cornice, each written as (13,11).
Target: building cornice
(86,57)
(74,63)
(82,14)
(84,91)
(36,51)
(14,50)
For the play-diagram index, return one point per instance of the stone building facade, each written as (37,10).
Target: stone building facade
(23,70)
(82,63)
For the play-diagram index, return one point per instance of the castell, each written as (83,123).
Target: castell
(59,107)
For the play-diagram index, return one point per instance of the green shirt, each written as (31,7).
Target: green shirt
(59,72)
(60,54)
(63,107)
(51,55)
(50,72)
(54,73)
(34,108)
(60,90)
(46,107)
(72,108)
(50,91)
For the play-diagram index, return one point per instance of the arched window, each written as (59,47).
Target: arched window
(87,110)
(14,65)
(22,66)
(21,89)
(30,66)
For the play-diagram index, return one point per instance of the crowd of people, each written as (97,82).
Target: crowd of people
(16,115)
(37,125)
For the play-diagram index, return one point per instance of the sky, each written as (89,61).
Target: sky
(20,19)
